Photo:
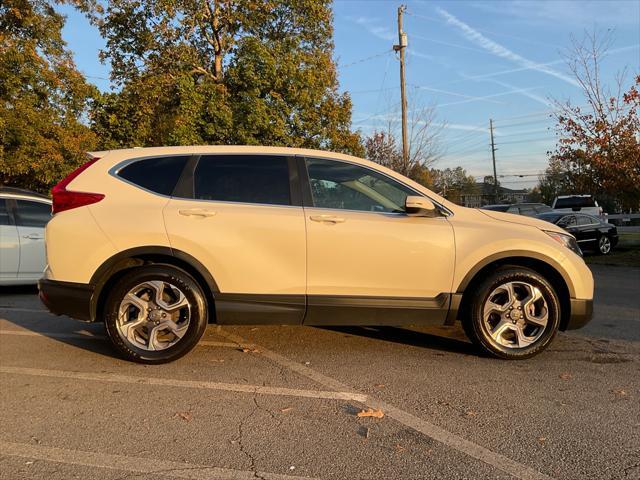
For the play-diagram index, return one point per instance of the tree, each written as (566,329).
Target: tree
(230,72)
(452,183)
(44,99)
(598,149)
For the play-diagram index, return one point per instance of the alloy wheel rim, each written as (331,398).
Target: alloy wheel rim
(515,315)
(605,245)
(153,316)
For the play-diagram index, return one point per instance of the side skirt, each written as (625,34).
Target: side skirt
(326,310)
(365,310)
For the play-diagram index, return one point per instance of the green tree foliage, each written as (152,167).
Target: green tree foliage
(451,183)
(222,72)
(43,98)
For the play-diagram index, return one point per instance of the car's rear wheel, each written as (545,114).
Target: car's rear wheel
(604,245)
(155,314)
(515,313)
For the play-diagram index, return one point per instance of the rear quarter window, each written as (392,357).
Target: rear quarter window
(158,174)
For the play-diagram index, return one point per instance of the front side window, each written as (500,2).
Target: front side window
(261,179)
(346,186)
(568,221)
(4,213)
(158,174)
(33,214)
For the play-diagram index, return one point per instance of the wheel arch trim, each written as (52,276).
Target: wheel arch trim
(138,256)
(515,255)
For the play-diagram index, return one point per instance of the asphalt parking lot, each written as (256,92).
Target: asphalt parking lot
(282,402)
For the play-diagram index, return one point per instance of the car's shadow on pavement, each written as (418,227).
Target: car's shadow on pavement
(407,336)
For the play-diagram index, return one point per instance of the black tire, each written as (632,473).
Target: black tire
(173,276)
(603,241)
(474,324)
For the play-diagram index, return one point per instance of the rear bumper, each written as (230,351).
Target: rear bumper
(581,313)
(67,298)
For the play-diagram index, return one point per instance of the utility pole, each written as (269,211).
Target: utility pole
(493,156)
(402,44)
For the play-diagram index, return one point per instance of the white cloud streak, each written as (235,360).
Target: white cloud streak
(498,50)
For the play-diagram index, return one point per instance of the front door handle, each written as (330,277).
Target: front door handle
(327,219)
(34,236)
(197,212)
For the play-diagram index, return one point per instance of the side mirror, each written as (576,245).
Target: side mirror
(416,206)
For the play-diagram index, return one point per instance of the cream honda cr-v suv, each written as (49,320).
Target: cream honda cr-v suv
(158,242)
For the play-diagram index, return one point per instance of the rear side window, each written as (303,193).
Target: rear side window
(585,220)
(33,214)
(4,213)
(262,179)
(158,175)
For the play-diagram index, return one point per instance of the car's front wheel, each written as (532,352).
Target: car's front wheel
(155,314)
(514,314)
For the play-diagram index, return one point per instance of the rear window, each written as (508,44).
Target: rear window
(33,214)
(159,174)
(261,179)
(572,202)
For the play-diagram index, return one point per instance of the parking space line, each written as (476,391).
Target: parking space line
(425,427)
(168,382)
(90,336)
(139,465)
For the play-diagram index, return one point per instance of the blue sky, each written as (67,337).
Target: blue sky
(471,60)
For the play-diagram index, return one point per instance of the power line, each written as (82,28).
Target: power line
(365,59)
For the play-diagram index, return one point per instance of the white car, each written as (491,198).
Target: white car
(157,242)
(23,218)
(577,203)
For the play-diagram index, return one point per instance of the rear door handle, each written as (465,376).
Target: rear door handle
(327,219)
(34,236)
(197,212)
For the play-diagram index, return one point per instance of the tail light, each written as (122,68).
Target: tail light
(64,199)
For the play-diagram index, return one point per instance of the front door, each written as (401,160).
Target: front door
(241,220)
(368,262)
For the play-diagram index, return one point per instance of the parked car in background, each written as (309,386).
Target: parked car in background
(577,203)
(591,233)
(527,209)
(157,242)
(23,218)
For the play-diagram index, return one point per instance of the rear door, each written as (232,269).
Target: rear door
(241,217)
(32,218)
(9,243)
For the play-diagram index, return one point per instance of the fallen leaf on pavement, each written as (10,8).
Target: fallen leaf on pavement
(186,416)
(250,350)
(286,409)
(620,392)
(370,412)
(541,439)
(470,413)
(565,376)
